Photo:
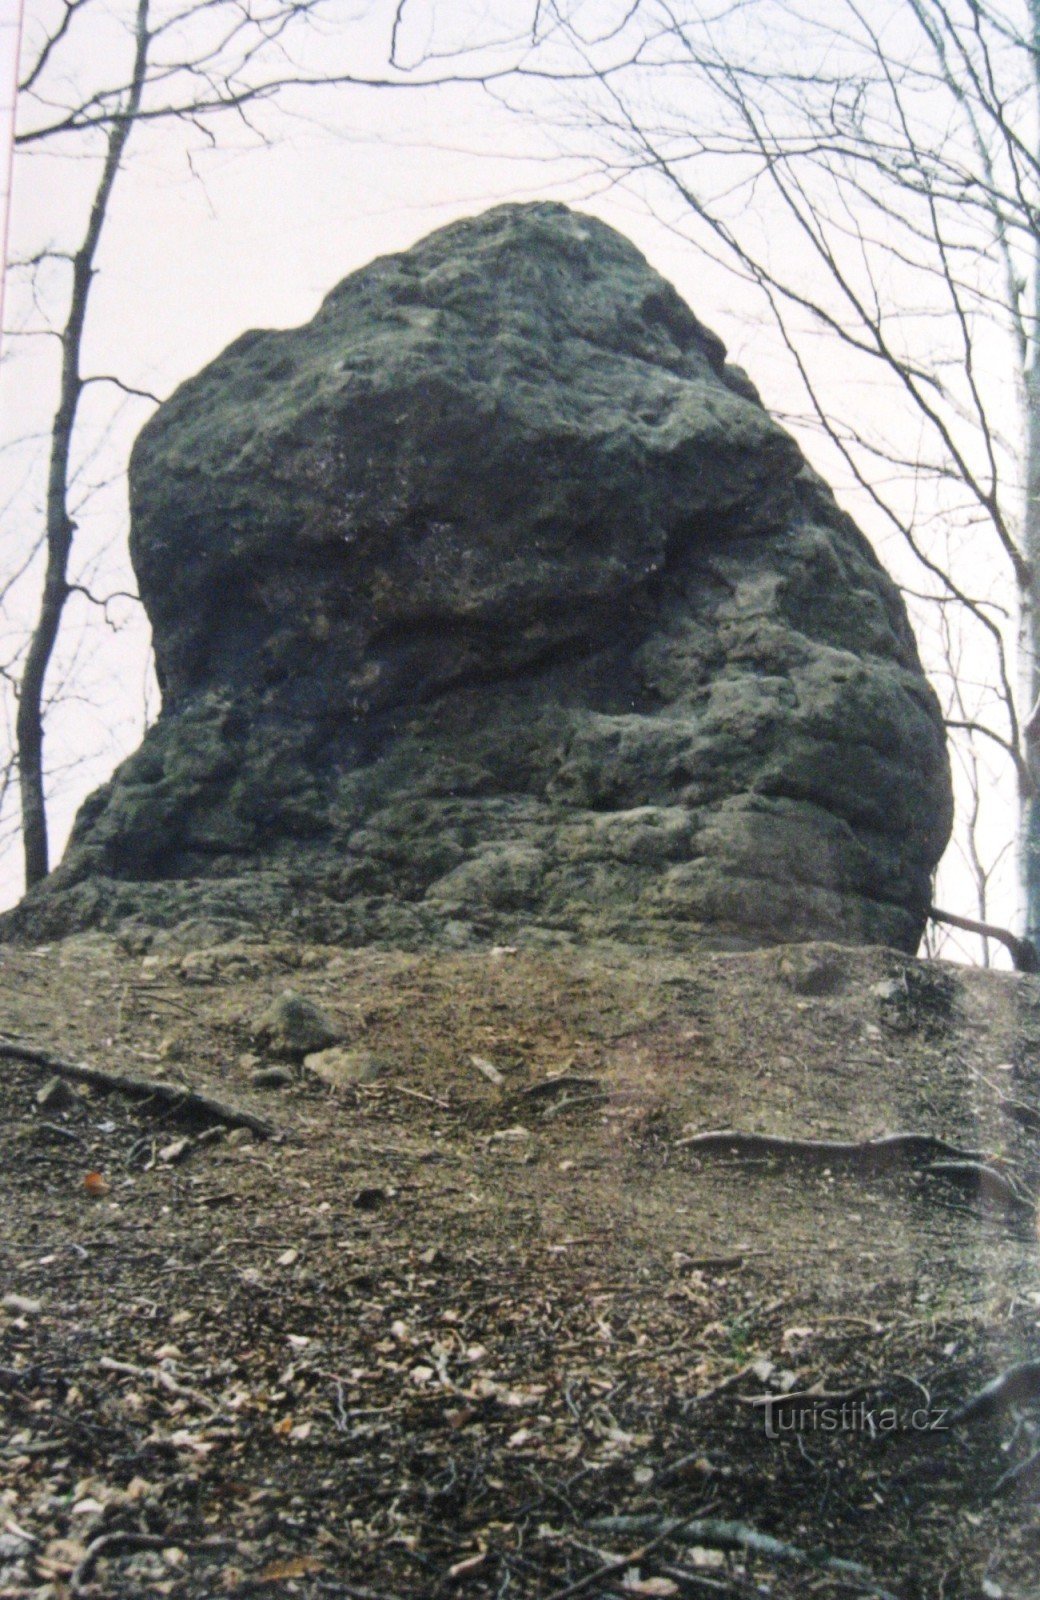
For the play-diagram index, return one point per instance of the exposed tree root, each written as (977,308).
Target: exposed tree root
(1021,1382)
(725,1535)
(176,1095)
(892,1150)
(923,1152)
(984,1183)
(1023,952)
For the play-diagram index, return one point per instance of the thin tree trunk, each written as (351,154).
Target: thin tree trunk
(60,527)
(1030,615)
(1030,646)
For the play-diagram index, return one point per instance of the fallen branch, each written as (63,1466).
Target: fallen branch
(162,1379)
(1021,1382)
(135,1541)
(618,1564)
(724,1535)
(1023,952)
(174,1095)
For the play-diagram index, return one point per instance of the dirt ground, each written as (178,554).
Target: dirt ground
(422,1342)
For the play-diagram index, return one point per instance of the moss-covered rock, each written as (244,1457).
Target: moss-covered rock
(492,604)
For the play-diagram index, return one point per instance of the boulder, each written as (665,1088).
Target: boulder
(342,1069)
(294,1026)
(492,605)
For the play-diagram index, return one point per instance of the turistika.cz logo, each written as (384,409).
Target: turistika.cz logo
(793,1414)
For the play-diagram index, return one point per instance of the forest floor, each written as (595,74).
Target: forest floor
(424,1341)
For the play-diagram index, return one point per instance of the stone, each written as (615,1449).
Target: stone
(174,1152)
(341,1068)
(22,1305)
(294,1026)
(55,1095)
(271,1078)
(491,606)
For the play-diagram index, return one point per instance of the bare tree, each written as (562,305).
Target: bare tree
(194,68)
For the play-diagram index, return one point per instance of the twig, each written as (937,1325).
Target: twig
(700,1580)
(1025,1470)
(568,1103)
(417,1094)
(724,1535)
(618,1564)
(172,1094)
(1017,1110)
(135,1541)
(164,1380)
(720,1263)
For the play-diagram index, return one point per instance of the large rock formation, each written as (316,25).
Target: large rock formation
(492,604)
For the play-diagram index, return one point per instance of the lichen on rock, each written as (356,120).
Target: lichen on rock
(492,604)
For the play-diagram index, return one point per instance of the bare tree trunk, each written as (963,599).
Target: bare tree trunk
(1030,615)
(1030,646)
(60,527)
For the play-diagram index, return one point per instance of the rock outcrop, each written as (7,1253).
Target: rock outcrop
(492,604)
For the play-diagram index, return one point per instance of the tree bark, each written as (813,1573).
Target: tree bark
(59,524)
(1029,612)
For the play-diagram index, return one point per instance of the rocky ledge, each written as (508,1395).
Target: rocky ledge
(492,605)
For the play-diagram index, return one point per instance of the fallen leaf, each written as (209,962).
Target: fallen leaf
(294,1567)
(90,1505)
(95,1184)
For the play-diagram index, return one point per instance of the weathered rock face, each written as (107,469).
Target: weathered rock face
(492,604)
